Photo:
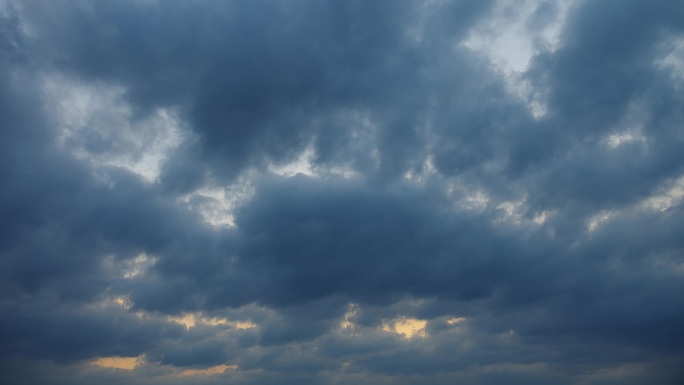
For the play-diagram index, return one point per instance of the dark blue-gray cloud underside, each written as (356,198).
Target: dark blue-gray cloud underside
(327,192)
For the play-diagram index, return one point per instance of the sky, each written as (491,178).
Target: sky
(341,192)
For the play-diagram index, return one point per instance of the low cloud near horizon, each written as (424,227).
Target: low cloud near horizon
(342,192)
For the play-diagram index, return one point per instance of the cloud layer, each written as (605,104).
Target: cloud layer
(319,192)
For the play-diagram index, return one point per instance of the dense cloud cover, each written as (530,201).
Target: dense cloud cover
(349,192)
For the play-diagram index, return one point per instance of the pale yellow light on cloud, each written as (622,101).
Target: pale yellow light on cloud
(191,320)
(407,327)
(115,362)
(455,320)
(130,363)
(212,371)
(352,311)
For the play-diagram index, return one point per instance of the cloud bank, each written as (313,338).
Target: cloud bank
(319,192)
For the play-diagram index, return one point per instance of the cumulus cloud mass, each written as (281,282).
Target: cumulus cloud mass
(341,192)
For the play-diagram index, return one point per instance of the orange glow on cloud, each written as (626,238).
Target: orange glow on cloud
(407,327)
(126,363)
(191,320)
(455,320)
(130,363)
(214,370)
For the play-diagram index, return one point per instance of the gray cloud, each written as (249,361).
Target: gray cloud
(522,246)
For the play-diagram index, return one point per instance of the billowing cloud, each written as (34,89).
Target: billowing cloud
(319,192)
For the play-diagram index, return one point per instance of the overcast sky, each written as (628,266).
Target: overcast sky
(341,192)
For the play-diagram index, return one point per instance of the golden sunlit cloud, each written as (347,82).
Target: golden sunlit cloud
(115,362)
(138,266)
(187,320)
(191,320)
(131,363)
(407,327)
(243,325)
(455,320)
(352,311)
(212,371)
(124,302)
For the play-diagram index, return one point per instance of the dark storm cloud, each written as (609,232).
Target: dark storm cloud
(65,334)
(607,60)
(60,221)
(378,89)
(257,94)
(606,67)
(352,242)
(327,238)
